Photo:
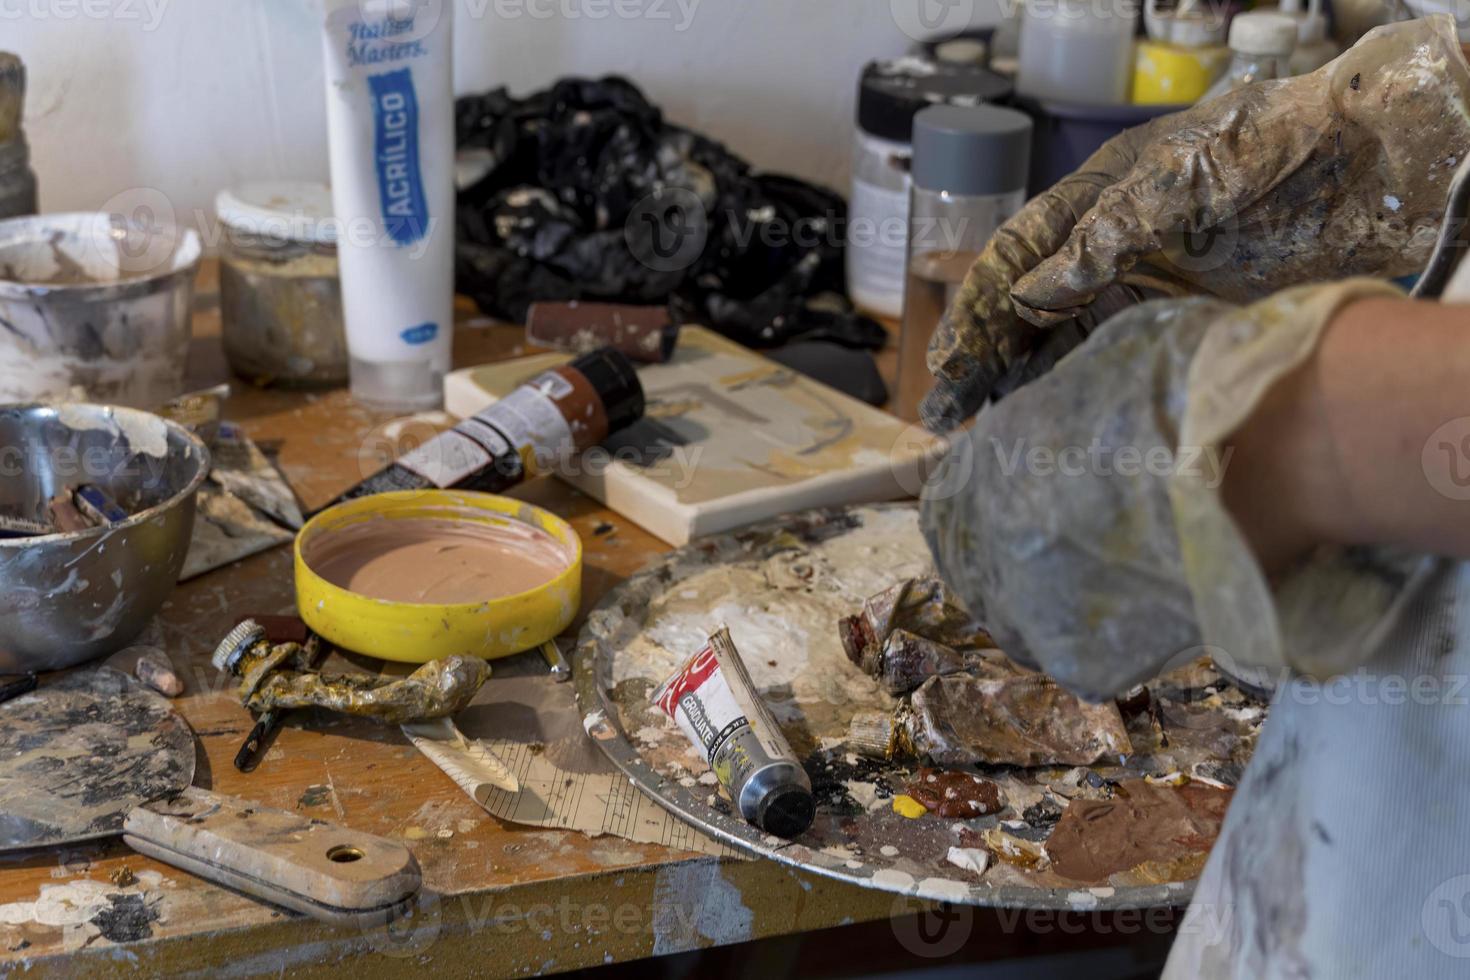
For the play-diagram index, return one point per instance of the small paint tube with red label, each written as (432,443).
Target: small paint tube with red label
(714,703)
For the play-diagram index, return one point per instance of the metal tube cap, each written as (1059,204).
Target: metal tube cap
(971,150)
(235,645)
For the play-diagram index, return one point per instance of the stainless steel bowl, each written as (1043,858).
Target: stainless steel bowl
(66,598)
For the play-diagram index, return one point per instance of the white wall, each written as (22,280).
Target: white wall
(185,96)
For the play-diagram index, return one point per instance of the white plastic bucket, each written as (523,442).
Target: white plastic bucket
(94,308)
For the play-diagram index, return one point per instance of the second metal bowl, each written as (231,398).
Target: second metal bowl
(69,597)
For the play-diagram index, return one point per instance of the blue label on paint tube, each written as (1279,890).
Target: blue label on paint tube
(421,334)
(396,143)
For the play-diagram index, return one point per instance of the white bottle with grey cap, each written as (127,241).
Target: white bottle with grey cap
(970,167)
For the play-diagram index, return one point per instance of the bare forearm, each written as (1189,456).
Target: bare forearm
(1361,445)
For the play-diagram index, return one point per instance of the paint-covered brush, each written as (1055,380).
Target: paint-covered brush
(99,506)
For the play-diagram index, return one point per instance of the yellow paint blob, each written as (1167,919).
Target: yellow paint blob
(907,806)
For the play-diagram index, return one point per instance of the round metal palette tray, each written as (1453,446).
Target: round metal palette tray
(775,584)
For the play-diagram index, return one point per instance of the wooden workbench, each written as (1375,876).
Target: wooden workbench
(508,900)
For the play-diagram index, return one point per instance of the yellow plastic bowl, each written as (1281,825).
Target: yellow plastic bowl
(416,632)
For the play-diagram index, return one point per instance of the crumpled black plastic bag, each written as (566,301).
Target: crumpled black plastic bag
(591,194)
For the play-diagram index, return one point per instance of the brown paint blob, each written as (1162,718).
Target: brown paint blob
(1142,825)
(437,560)
(957,795)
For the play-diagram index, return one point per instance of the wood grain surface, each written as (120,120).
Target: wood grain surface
(500,900)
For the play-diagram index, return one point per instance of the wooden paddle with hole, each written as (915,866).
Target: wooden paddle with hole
(92,753)
(310,866)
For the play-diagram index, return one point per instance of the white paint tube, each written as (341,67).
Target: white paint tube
(390,118)
(713,701)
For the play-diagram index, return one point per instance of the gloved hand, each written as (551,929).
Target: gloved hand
(1080,520)
(1338,173)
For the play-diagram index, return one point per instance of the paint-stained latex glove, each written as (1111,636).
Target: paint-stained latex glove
(1339,173)
(1080,520)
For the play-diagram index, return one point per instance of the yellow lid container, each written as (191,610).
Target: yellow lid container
(420,632)
(1173,74)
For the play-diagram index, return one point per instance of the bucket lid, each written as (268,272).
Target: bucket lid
(892,92)
(972,150)
(1259,32)
(295,210)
